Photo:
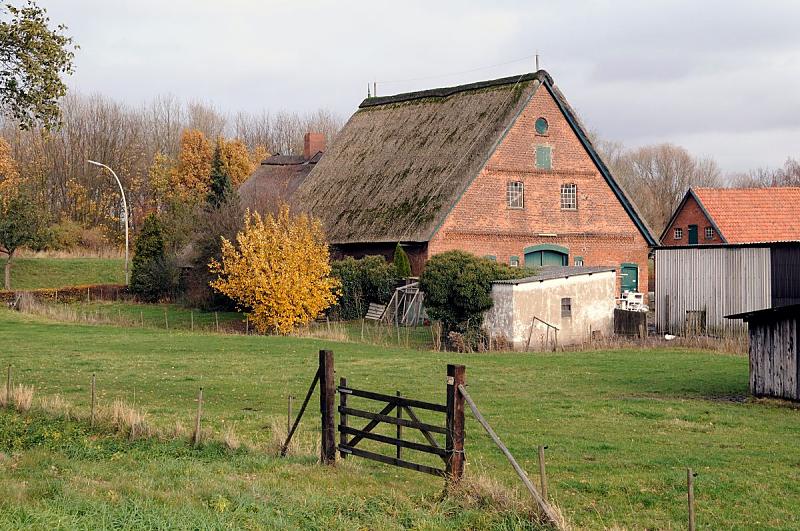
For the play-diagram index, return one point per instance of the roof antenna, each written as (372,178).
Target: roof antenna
(537,60)
(375,88)
(368,94)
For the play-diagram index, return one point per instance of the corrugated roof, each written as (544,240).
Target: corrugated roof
(775,311)
(554,272)
(752,215)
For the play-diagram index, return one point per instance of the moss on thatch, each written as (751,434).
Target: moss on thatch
(402,162)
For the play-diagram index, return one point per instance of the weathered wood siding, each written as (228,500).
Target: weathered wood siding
(785,275)
(719,281)
(773,357)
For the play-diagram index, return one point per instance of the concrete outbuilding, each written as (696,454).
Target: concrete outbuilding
(559,306)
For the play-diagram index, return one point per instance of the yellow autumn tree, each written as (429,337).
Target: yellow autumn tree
(236,160)
(279,271)
(9,174)
(190,177)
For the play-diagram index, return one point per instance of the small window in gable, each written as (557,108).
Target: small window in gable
(579,261)
(569,196)
(541,125)
(709,233)
(514,261)
(566,307)
(544,157)
(515,194)
(678,233)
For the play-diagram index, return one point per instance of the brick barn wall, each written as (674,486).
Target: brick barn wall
(599,230)
(690,214)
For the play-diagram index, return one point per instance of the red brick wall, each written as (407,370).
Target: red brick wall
(599,230)
(690,214)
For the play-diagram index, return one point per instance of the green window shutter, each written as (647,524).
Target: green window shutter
(544,157)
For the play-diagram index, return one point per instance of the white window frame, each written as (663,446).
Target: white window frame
(513,261)
(569,196)
(678,233)
(709,233)
(515,195)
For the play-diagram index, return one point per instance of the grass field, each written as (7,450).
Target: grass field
(621,427)
(33,273)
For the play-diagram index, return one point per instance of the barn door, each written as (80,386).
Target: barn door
(630,277)
(546,258)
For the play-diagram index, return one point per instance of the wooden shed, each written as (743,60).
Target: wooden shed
(774,337)
(696,286)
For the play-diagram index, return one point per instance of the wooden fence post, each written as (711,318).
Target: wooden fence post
(542,472)
(327,392)
(166,321)
(399,431)
(289,414)
(191,319)
(454,439)
(196,436)
(216,320)
(8,387)
(343,416)
(690,487)
(94,402)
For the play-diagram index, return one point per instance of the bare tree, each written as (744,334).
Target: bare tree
(788,175)
(657,177)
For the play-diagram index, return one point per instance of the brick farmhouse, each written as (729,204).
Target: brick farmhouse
(500,168)
(707,216)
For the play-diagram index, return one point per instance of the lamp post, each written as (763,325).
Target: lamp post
(124,207)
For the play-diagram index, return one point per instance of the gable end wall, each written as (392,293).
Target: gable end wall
(690,214)
(600,230)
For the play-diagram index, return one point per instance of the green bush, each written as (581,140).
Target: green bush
(153,276)
(370,279)
(401,262)
(458,289)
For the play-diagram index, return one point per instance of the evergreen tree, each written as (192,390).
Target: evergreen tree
(151,276)
(221,187)
(401,262)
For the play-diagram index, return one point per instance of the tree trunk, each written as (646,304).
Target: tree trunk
(7,284)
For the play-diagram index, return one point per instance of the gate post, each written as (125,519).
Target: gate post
(454,439)
(327,392)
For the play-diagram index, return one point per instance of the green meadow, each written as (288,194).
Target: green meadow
(621,427)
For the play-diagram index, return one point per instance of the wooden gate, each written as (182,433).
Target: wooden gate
(399,412)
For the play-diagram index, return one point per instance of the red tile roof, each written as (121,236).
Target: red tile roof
(752,215)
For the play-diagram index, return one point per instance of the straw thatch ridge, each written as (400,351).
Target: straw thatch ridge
(275,181)
(401,162)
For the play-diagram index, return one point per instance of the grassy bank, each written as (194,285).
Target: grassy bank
(34,273)
(621,427)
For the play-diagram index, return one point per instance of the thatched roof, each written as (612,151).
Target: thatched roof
(401,162)
(275,181)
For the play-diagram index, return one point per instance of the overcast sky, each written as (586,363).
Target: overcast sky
(720,78)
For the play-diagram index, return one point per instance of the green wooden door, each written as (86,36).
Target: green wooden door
(630,277)
(692,234)
(546,258)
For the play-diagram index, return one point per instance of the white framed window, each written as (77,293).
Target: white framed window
(579,261)
(515,194)
(569,196)
(514,261)
(678,233)
(709,233)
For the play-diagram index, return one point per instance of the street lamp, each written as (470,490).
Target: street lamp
(124,206)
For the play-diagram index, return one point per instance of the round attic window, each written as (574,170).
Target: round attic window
(541,126)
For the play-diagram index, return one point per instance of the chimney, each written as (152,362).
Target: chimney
(313,143)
